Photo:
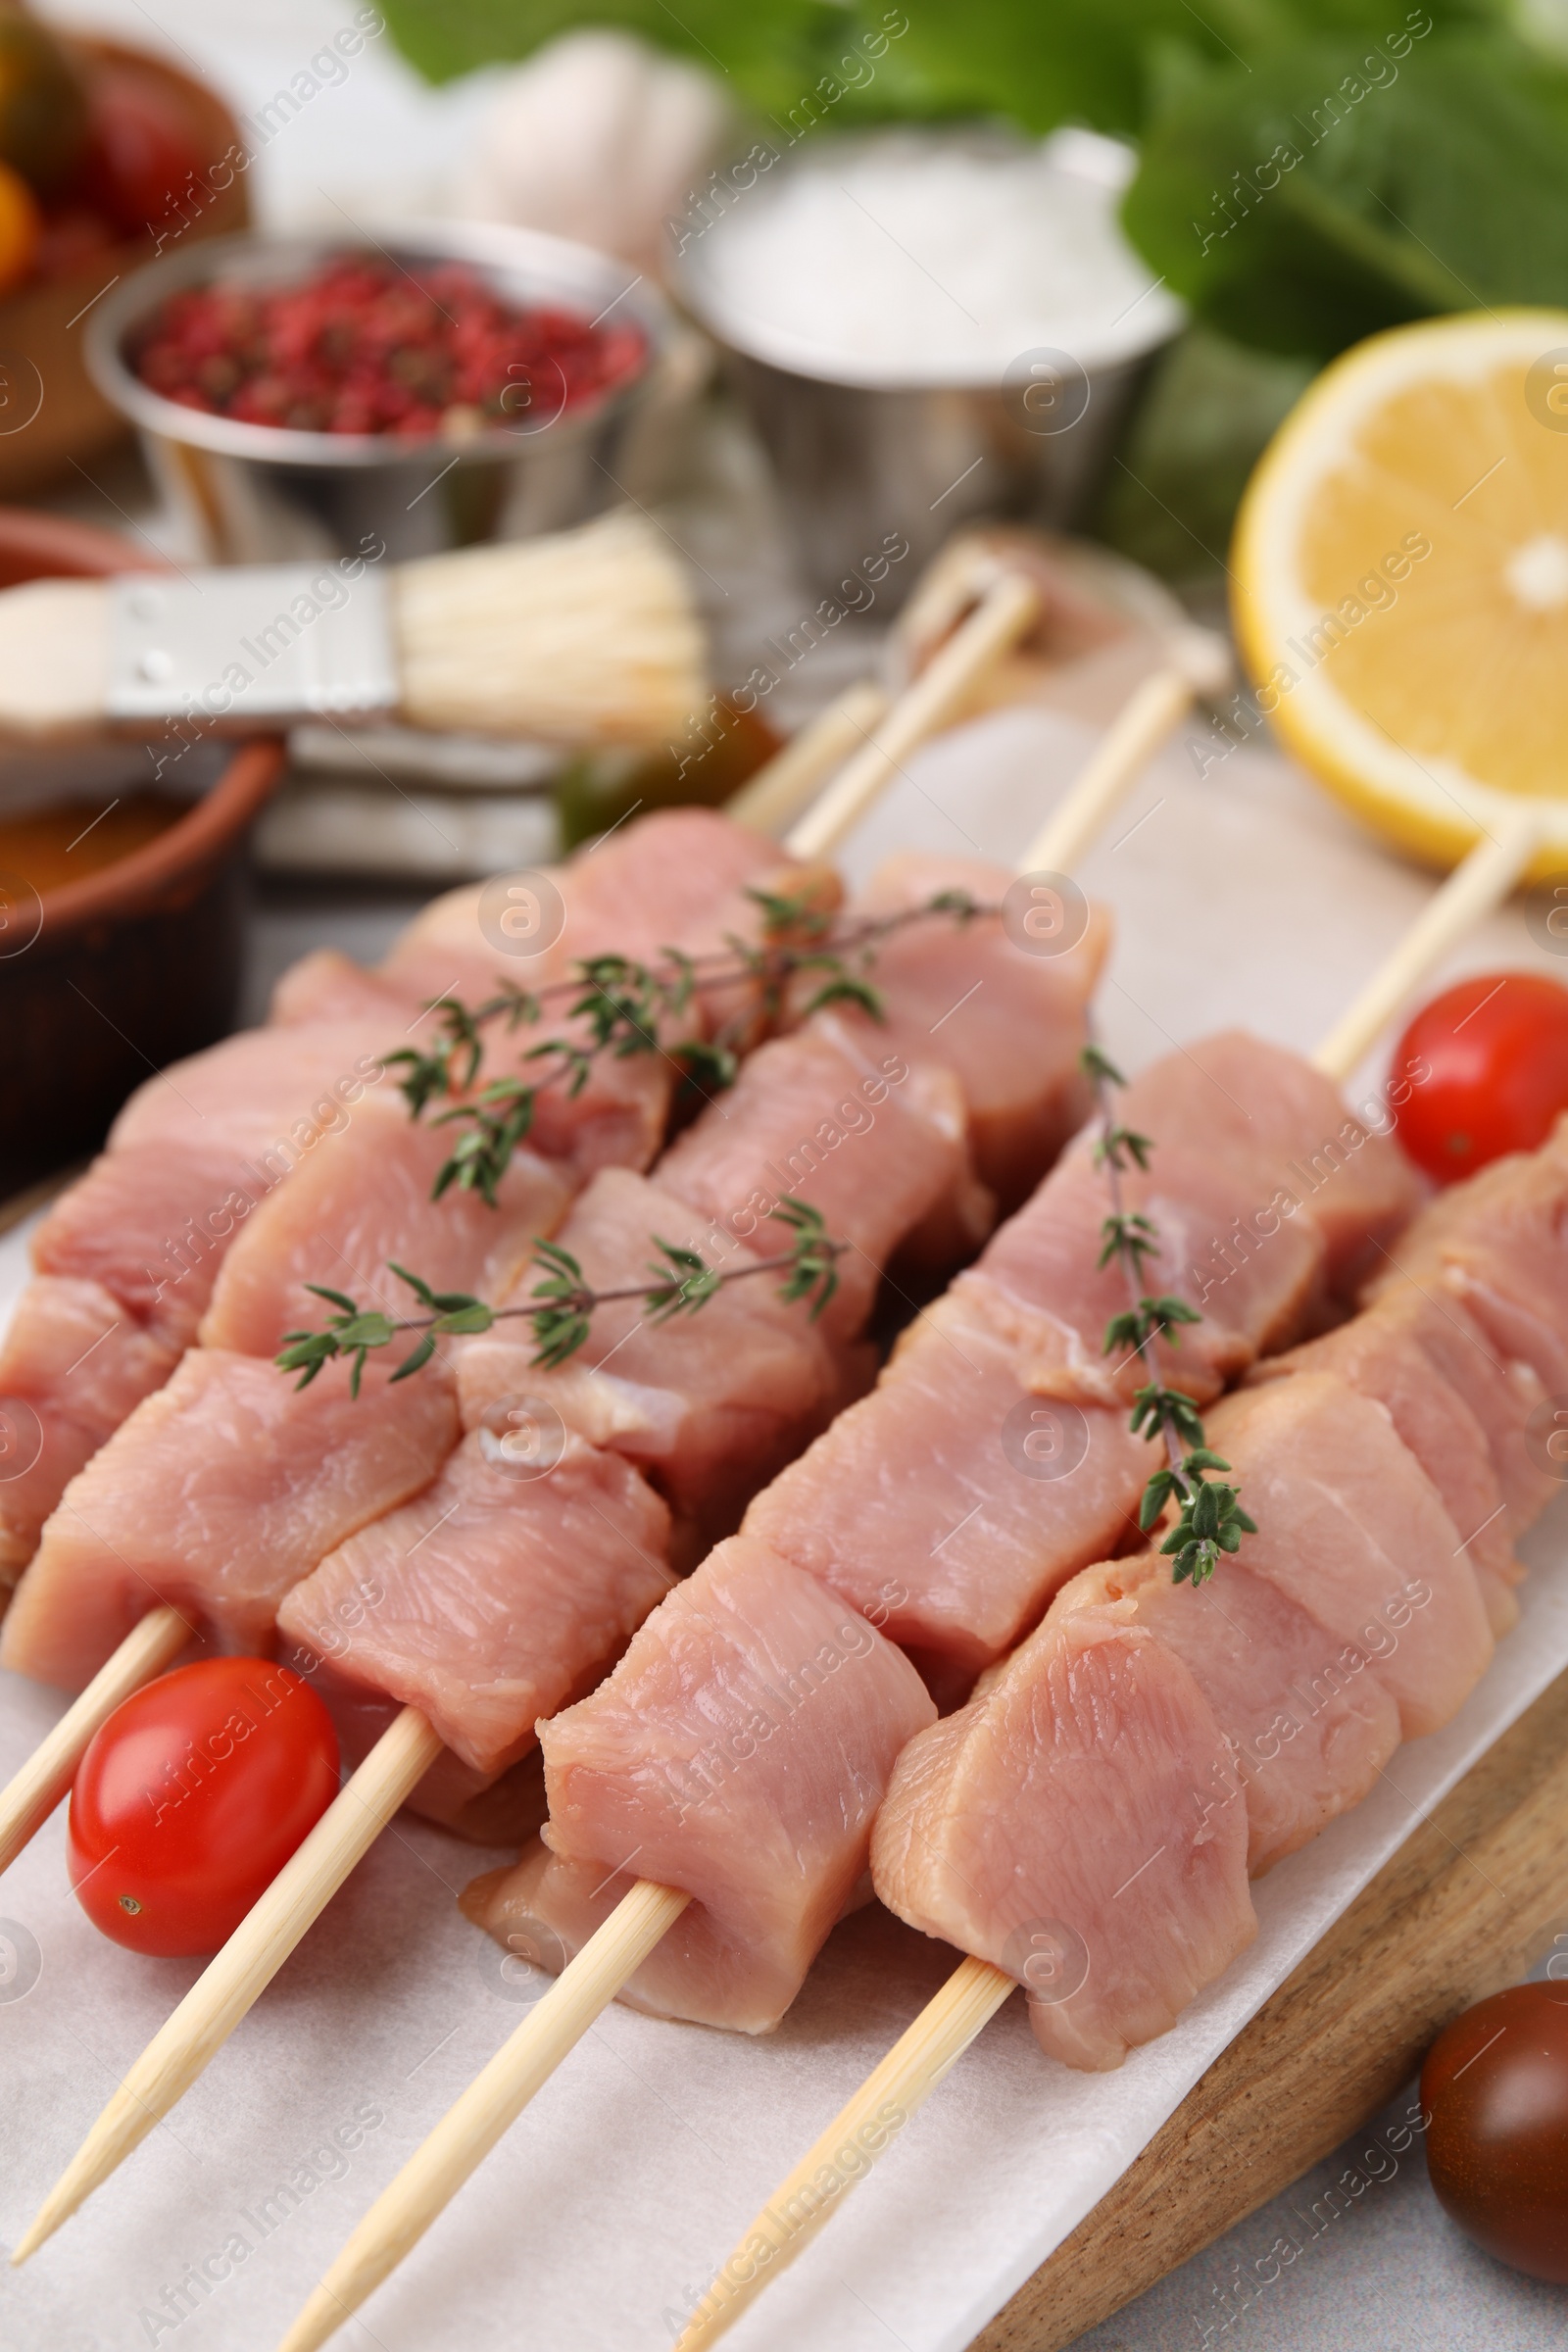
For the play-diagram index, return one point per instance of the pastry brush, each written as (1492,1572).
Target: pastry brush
(583,637)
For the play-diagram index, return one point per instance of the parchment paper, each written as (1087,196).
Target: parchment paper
(1240,896)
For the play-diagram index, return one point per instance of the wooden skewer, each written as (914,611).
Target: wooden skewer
(780,790)
(999,620)
(526,2062)
(859,2132)
(491,2104)
(247,1963)
(27,1800)
(950,2022)
(1199,663)
(1148,716)
(1481,882)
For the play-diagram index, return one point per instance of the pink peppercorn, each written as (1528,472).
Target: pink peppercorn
(364,347)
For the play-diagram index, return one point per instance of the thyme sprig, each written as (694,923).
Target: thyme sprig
(560,1305)
(627,1007)
(1210,1516)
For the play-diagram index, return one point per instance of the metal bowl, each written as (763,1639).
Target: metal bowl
(256,493)
(863,456)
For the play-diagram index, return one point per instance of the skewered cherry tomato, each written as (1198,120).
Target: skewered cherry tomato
(193,1797)
(1497,1049)
(1495,2084)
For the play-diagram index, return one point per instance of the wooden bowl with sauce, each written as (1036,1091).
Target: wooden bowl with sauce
(121,926)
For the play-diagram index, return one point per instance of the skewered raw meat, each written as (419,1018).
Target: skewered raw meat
(361,1202)
(794,1125)
(1358,1614)
(708,1406)
(965,995)
(222,1489)
(466,1601)
(1082,1814)
(743,1652)
(127,1257)
(929,1502)
(199,1148)
(883,1509)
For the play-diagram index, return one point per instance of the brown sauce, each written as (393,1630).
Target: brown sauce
(65,843)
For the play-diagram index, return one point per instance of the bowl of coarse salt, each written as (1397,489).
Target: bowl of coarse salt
(927,326)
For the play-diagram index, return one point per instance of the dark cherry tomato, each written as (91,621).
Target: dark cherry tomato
(142,146)
(1489,1063)
(1495,2084)
(193,1797)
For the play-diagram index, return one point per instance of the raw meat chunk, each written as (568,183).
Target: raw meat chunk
(222,1489)
(1077,1825)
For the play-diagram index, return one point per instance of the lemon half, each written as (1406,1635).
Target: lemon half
(1400,579)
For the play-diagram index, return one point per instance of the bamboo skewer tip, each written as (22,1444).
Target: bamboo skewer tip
(770,800)
(470,2127)
(1155,707)
(917,2062)
(231,1982)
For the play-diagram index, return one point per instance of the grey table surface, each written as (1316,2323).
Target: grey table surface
(1378,2267)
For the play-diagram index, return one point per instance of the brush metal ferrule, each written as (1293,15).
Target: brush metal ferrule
(252,647)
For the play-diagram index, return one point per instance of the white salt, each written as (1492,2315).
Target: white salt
(914,259)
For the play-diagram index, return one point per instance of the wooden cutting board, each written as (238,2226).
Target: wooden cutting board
(1464,1908)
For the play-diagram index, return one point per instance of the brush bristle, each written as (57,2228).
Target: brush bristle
(581,638)
(53,658)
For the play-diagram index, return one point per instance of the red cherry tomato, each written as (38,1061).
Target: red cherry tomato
(142,147)
(193,1797)
(1488,1062)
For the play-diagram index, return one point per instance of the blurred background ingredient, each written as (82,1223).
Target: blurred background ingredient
(864,278)
(599,138)
(1301,165)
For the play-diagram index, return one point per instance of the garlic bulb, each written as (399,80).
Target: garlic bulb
(601,138)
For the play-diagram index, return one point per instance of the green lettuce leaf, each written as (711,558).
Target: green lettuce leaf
(1316,197)
(1171,494)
